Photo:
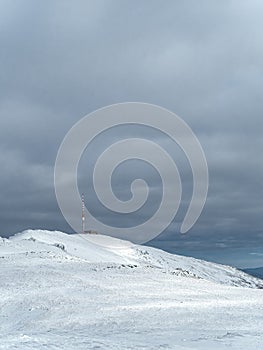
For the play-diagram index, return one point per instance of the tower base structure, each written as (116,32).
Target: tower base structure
(91,232)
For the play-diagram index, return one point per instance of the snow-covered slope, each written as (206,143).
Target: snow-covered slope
(105,249)
(63,291)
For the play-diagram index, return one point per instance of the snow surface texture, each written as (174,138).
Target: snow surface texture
(62,291)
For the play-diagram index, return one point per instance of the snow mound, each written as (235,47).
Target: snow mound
(92,248)
(102,249)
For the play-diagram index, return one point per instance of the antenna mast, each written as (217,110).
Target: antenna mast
(83,214)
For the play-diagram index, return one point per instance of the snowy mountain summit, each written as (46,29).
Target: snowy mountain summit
(103,250)
(61,291)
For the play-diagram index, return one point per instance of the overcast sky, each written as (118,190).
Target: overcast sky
(201,59)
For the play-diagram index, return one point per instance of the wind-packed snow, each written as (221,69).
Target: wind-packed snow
(62,291)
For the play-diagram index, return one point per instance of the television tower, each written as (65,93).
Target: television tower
(83,214)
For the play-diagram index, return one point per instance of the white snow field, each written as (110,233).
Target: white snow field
(62,291)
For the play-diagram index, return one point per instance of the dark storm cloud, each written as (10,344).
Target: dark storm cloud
(203,60)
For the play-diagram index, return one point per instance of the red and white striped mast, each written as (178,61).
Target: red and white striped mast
(83,214)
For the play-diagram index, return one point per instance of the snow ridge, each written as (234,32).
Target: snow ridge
(102,249)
